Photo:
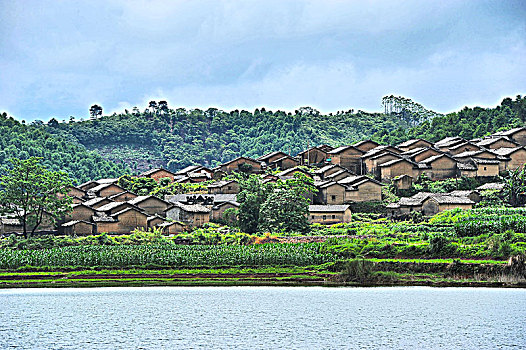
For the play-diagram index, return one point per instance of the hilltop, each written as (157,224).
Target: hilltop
(134,141)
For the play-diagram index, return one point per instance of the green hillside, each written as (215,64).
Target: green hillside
(177,138)
(59,152)
(136,140)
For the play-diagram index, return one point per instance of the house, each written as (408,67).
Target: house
(229,186)
(126,221)
(154,220)
(464,147)
(466,156)
(398,167)
(327,170)
(467,168)
(448,142)
(172,227)
(515,157)
(348,157)
(487,167)
(419,154)
(207,200)
(313,156)
(150,204)
(339,175)
(80,212)
(329,192)
(289,173)
(242,164)
(407,205)
(325,148)
(271,157)
(517,134)
(158,174)
(78,227)
(123,196)
(414,143)
(105,190)
(439,202)
(498,142)
(97,202)
(403,182)
(94,183)
(193,215)
(361,189)
(219,209)
(284,163)
(366,145)
(474,195)
(371,165)
(329,214)
(441,166)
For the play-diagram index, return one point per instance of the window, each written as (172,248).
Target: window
(229,187)
(485,168)
(324,217)
(312,217)
(333,198)
(334,217)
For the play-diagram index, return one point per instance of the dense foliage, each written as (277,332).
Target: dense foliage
(59,152)
(468,123)
(177,137)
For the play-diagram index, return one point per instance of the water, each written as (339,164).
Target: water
(263,318)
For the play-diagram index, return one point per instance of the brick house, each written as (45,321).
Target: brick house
(158,174)
(329,214)
(348,157)
(230,186)
(518,135)
(241,164)
(193,215)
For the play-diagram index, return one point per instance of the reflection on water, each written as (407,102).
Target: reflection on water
(263,318)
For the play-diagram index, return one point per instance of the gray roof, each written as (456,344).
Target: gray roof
(101,217)
(411,142)
(94,201)
(486,161)
(448,199)
(322,170)
(140,199)
(506,151)
(462,193)
(491,186)
(490,141)
(343,148)
(328,208)
(466,166)
(74,222)
(188,169)
(112,205)
(509,132)
(364,142)
(126,210)
(448,141)
(153,171)
(217,198)
(433,158)
(269,155)
(221,183)
(394,161)
(376,150)
(192,208)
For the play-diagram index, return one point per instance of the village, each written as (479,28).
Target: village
(343,176)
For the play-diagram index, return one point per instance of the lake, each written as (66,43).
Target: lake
(263,318)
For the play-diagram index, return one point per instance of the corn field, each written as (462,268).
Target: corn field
(474,226)
(301,254)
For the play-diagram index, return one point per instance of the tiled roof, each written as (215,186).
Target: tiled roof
(509,132)
(506,151)
(491,186)
(328,208)
(192,208)
(94,201)
(411,142)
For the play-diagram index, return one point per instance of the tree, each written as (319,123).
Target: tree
(32,194)
(286,208)
(95,111)
(252,194)
(515,186)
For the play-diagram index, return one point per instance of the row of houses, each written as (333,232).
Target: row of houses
(447,158)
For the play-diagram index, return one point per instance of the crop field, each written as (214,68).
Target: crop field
(169,255)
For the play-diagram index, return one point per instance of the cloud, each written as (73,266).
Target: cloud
(58,58)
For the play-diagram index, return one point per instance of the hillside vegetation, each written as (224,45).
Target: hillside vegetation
(175,138)
(59,152)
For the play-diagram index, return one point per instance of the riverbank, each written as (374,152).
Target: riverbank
(363,272)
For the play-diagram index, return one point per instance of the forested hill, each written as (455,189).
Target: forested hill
(468,123)
(180,137)
(175,138)
(58,152)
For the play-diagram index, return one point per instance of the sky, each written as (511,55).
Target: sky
(57,58)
